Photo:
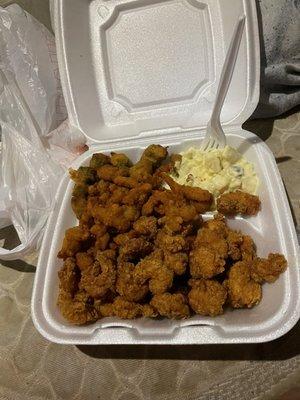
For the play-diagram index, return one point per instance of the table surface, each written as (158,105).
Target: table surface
(33,368)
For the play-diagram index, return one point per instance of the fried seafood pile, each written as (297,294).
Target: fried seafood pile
(142,249)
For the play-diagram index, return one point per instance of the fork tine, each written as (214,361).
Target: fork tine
(211,144)
(208,145)
(204,144)
(215,145)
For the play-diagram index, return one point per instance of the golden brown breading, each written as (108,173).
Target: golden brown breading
(268,270)
(117,195)
(83,175)
(126,286)
(84,260)
(73,240)
(166,202)
(74,305)
(205,262)
(173,245)
(207,297)
(102,242)
(176,262)
(125,181)
(240,247)
(238,203)
(243,291)
(189,201)
(172,224)
(116,216)
(77,309)
(69,276)
(81,190)
(170,166)
(152,269)
(105,193)
(98,230)
(110,172)
(142,170)
(148,311)
(105,309)
(109,253)
(98,160)
(151,158)
(248,249)
(123,238)
(125,309)
(146,226)
(156,200)
(210,251)
(100,277)
(78,204)
(120,160)
(183,209)
(234,240)
(121,308)
(217,224)
(86,221)
(92,202)
(156,153)
(135,249)
(190,193)
(138,195)
(171,305)
(99,188)
(170,243)
(212,240)
(175,224)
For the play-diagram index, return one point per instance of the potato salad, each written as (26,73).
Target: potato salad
(218,171)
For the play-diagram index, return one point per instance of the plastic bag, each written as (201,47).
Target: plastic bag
(33,157)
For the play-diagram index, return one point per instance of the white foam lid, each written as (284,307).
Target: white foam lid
(149,67)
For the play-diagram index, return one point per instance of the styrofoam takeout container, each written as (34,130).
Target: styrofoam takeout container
(146,71)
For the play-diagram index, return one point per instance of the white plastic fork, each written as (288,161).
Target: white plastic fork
(215,136)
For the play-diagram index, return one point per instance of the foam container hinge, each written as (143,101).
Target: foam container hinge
(146,71)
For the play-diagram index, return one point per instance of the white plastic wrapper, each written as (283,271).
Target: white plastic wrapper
(33,155)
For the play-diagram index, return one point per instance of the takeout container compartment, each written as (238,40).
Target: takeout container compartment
(146,71)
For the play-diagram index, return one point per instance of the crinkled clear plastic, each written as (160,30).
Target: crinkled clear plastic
(33,155)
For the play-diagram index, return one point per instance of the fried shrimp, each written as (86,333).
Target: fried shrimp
(243,291)
(238,203)
(152,270)
(99,277)
(171,305)
(207,297)
(141,247)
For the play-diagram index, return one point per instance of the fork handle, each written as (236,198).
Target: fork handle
(227,70)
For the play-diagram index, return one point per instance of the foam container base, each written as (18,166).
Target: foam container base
(272,230)
(136,72)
